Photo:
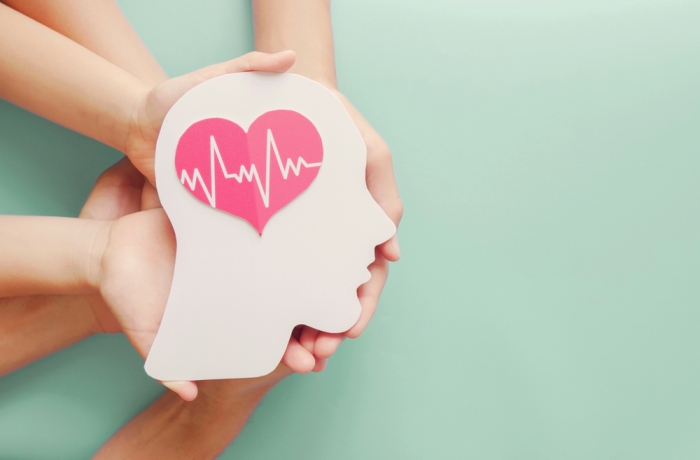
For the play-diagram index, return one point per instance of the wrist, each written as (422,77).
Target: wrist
(227,394)
(120,126)
(172,428)
(94,247)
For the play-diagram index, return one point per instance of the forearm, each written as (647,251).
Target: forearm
(50,255)
(174,429)
(34,326)
(101,27)
(300,25)
(54,77)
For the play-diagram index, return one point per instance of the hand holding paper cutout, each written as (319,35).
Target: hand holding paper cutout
(237,294)
(116,194)
(148,115)
(381,183)
(135,278)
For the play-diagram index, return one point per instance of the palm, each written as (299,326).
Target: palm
(137,271)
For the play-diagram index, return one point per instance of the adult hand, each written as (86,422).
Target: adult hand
(173,429)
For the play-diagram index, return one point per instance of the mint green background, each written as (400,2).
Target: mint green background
(547,305)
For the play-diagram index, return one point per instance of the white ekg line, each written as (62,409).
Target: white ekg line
(244,173)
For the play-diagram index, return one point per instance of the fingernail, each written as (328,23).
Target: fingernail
(182,388)
(395,244)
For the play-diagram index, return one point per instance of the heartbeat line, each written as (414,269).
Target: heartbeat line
(247,174)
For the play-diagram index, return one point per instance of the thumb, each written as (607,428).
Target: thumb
(255,61)
(161,98)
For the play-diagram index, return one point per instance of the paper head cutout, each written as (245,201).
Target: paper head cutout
(263,178)
(251,175)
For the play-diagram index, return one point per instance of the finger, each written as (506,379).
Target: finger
(186,390)
(369,293)
(149,197)
(308,338)
(380,178)
(381,183)
(255,61)
(390,249)
(296,332)
(116,192)
(297,358)
(327,344)
(320,365)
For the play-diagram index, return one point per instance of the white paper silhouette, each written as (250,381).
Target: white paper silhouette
(241,284)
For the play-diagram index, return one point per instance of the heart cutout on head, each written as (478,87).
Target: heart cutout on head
(251,174)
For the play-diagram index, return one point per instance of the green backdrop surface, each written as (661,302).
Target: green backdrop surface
(547,305)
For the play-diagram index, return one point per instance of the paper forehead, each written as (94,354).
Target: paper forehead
(242,97)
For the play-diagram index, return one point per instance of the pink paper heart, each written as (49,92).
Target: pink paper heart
(250,175)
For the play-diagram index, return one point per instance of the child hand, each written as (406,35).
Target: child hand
(134,280)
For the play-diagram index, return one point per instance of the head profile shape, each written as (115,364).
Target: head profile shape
(263,179)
